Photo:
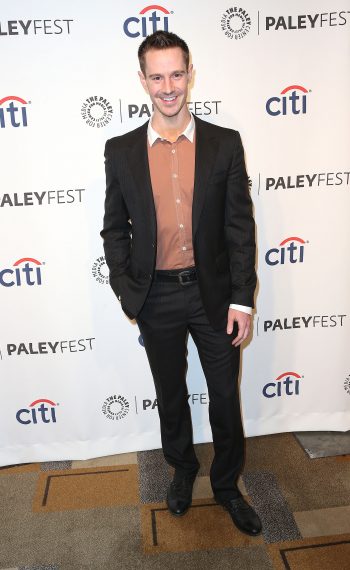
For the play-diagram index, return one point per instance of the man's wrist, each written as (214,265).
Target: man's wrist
(241,308)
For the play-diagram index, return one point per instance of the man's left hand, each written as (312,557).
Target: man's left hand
(244,323)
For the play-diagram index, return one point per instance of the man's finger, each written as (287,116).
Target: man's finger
(241,335)
(230,321)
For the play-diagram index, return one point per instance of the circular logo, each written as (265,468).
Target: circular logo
(96,111)
(347,385)
(100,270)
(236,23)
(115,407)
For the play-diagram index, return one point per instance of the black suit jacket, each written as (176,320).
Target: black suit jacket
(222,223)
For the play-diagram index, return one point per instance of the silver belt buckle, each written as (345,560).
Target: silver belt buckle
(180,276)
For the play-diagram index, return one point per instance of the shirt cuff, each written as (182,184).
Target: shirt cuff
(241,308)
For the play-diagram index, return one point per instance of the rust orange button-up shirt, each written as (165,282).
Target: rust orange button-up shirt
(172,176)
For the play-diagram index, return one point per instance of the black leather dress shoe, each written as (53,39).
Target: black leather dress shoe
(243,515)
(179,495)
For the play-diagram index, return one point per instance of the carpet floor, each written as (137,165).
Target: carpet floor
(109,513)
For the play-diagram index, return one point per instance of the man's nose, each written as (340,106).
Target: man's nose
(168,85)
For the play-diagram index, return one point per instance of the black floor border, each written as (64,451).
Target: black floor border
(48,480)
(306,546)
(159,509)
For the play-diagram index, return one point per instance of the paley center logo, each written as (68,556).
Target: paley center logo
(287,384)
(290,250)
(150,19)
(100,270)
(96,111)
(39,411)
(235,23)
(25,271)
(13,112)
(116,407)
(292,100)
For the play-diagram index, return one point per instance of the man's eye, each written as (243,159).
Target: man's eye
(157,78)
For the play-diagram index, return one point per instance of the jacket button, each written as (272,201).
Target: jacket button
(150,276)
(153,244)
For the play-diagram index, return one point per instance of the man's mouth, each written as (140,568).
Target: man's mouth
(168,99)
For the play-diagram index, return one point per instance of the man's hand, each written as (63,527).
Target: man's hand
(243,321)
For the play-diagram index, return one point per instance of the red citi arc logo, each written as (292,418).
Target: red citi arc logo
(39,411)
(287,384)
(22,273)
(290,250)
(15,113)
(292,101)
(147,23)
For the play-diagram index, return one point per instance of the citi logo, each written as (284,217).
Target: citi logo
(293,101)
(25,271)
(15,113)
(38,412)
(287,384)
(290,250)
(147,23)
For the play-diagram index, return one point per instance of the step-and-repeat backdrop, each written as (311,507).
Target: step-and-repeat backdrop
(75,381)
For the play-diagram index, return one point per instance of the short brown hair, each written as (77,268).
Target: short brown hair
(162,40)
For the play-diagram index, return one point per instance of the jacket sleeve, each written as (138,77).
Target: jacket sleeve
(240,229)
(116,232)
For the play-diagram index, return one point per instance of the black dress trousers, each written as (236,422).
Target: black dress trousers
(170,312)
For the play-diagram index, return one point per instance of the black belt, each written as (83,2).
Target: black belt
(182,276)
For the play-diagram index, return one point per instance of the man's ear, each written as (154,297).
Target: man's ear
(143,81)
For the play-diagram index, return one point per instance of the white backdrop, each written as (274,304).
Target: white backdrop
(75,381)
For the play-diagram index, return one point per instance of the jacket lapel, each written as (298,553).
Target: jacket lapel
(139,168)
(206,150)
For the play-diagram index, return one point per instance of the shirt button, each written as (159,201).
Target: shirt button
(173,151)
(177,201)
(181,226)
(174,175)
(184,248)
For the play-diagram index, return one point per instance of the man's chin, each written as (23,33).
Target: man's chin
(169,111)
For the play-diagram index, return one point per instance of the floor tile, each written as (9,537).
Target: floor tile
(197,530)
(331,553)
(323,522)
(120,459)
(86,488)
(324,443)
(154,475)
(16,469)
(306,483)
(55,465)
(276,517)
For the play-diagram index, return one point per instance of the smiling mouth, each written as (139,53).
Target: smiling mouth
(168,99)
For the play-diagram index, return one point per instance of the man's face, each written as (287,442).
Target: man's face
(166,80)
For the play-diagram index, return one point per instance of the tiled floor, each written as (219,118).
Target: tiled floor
(110,513)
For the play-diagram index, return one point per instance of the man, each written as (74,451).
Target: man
(179,242)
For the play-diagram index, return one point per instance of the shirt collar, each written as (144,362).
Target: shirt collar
(188,132)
